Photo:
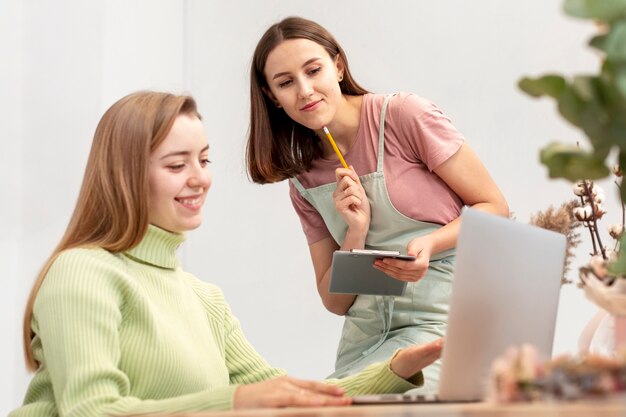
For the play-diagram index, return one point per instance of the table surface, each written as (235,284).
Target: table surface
(598,408)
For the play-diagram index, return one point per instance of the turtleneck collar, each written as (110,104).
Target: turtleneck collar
(158,248)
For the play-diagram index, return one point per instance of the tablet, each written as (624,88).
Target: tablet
(352,272)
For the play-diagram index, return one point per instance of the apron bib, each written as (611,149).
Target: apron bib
(376,326)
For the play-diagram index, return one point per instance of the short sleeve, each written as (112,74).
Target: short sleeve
(312,222)
(431,135)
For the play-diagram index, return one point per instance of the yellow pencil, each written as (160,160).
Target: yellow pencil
(334,145)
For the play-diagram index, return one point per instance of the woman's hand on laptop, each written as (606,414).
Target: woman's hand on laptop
(409,361)
(286,391)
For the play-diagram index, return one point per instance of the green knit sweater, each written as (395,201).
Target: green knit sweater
(132,333)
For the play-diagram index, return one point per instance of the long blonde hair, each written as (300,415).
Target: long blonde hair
(112,207)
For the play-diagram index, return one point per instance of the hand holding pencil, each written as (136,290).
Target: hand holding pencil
(350,198)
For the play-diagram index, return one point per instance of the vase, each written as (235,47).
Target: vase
(620,333)
(598,335)
(606,332)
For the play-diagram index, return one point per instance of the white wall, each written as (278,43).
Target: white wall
(68,61)
(11,191)
(71,59)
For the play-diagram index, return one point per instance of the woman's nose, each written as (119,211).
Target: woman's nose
(200,177)
(306,88)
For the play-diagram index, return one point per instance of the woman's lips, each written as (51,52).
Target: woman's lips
(192,203)
(311,106)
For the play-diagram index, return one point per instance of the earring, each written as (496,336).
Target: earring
(277,104)
(340,78)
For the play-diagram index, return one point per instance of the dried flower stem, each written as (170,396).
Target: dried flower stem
(593,225)
(561,220)
(619,190)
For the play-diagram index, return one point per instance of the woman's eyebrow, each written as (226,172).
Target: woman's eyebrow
(175,153)
(280,74)
(182,153)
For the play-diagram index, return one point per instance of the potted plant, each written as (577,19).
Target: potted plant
(595,103)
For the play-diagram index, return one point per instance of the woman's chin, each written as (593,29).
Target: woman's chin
(192,225)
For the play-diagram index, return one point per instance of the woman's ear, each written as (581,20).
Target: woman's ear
(340,68)
(271,96)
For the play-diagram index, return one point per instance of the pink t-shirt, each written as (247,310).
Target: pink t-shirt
(418,138)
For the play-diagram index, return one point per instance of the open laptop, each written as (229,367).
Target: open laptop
(505,293)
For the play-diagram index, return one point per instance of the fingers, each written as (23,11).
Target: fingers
(314,393)
(409,271)
(341,173)
(432,348)
(348,186)
(348,203)
(347,192)
(312,400)
(289,392)
(435,344)
(349,196)
(317,386)
(428,349)
(427,353)
(408,361)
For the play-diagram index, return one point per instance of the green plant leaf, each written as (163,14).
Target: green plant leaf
(550,85)
(570,105)
(592,110)
(599,42)
(585,87)
(607,10)
(572,163)
(622,163)
(620,84)
(619,266)
(613,76)
(615,44)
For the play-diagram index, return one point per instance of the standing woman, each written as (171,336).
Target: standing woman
(410,174)
(114,326)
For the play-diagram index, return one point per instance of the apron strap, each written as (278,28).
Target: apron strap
(298,185)
(385,308)
(381,134)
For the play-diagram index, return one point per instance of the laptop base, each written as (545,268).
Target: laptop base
(402,399)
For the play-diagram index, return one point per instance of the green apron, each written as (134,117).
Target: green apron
(376,326)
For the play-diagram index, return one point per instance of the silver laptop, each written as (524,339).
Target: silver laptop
(505,293)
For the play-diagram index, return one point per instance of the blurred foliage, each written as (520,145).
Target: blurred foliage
(594,103)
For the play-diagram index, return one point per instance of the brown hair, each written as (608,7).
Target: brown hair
(112,207)
(279,148)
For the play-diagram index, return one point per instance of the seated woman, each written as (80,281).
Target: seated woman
(114,326)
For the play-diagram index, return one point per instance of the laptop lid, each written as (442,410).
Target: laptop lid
(505,293)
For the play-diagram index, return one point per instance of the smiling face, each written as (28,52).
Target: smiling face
(179,177)
(304,80)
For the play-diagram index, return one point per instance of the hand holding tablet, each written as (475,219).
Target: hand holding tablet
(352,272)
(384,254)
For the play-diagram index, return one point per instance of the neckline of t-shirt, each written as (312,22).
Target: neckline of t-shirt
(357,139)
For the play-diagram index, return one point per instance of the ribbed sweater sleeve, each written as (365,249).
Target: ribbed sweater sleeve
(245,365)
(377,378)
